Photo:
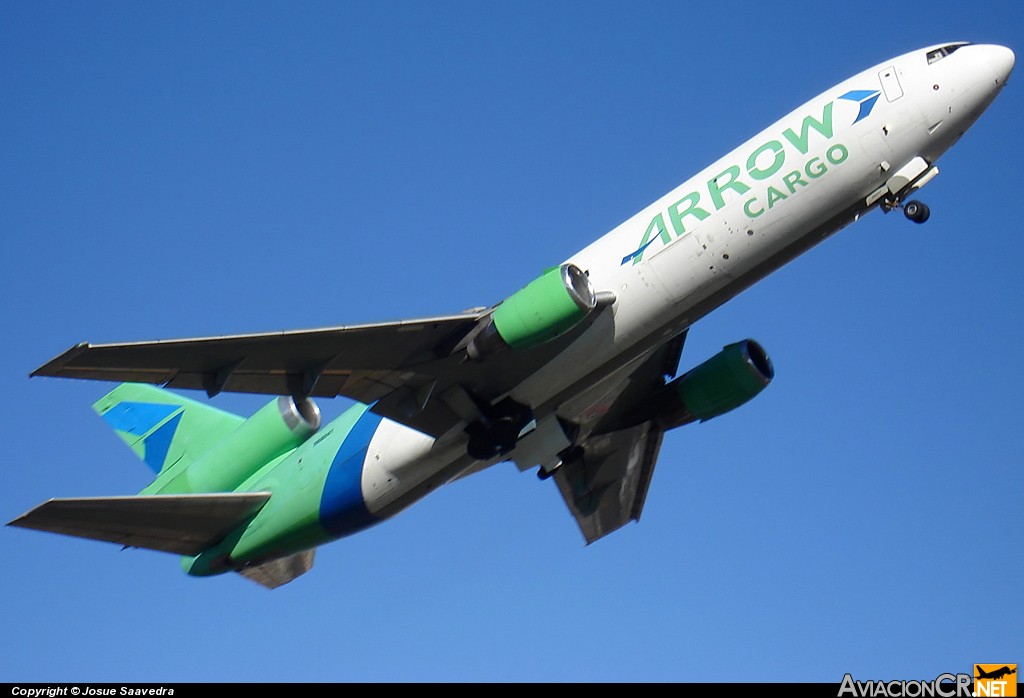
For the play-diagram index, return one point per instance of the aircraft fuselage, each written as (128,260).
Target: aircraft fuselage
(819,168)
(868,142)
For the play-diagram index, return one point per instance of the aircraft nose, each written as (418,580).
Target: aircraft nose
(1001,59)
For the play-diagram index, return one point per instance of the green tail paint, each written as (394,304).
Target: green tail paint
(194,448)
(161,427)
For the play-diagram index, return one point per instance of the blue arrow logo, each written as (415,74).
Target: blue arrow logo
(866,99)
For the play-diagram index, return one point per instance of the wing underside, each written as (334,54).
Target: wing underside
(363,362)
(411,371)
(605,489)
(606,485)
(395,365)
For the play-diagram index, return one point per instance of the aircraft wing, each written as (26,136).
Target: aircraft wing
(407,369)
(361,362)
(606,488)
(182,524)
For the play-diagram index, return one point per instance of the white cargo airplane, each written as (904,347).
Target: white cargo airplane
(573,373)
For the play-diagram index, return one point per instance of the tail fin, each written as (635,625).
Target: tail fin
(162,427)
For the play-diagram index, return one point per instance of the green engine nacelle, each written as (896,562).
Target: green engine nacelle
(547,307)
(727,380)
(277,428)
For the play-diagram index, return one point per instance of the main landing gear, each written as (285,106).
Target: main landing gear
(498,428)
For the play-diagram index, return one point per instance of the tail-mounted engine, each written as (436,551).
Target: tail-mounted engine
(278,427)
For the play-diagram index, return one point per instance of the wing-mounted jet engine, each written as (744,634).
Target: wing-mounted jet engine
(727,380)
(730,378)
(551,305)
(547,307)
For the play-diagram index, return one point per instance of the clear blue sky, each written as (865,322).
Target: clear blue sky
(175,169)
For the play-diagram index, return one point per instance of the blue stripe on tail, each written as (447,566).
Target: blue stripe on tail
(159,442)
(138,417)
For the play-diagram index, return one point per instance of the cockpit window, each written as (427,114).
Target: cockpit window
(940,53)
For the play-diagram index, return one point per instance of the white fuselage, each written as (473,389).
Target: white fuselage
(800,180)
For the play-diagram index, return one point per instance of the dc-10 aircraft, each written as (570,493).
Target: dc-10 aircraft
(573,374)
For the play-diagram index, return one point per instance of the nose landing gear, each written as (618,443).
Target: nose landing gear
(903,182)
(916,211)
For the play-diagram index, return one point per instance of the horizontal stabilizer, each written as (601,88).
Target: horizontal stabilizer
(281,571)
(183,524)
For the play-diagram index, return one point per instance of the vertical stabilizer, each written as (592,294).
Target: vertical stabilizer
(162,427)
